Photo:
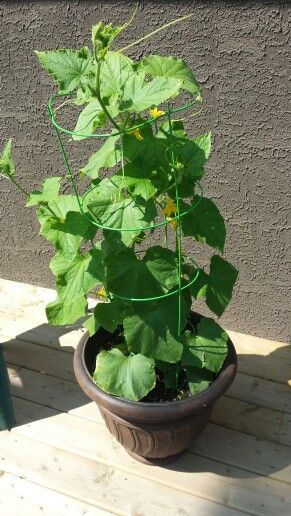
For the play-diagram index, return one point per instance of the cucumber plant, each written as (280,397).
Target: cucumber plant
(101,238)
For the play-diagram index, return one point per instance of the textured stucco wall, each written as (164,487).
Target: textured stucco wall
(239,52)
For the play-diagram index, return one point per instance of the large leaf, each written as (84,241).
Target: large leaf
(52,226)
(174,131)
(50,192)
(112,206)
(198,379)
(68,67)
(199,287)
(136,187)
(7,168)
(208,348)
(194,155)
(89,119)
(217,286)
(115,72)
(221,280)
(107,156)
(153,275)
(109,315)
(205,223)
(67,311)
(160,66)
(151,151)
(67,227)
(152,328)
(129,377)
(139,94)
(82,275)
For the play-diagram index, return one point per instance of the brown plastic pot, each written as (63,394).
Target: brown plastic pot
(153,433)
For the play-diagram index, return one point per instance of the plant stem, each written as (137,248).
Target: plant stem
(98,95)
(24,192)
(18,186)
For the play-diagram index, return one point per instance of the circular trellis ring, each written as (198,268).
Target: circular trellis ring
(173,164)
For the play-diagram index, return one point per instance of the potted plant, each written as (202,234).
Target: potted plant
(154,367)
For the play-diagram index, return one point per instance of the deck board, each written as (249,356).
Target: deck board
(240,465)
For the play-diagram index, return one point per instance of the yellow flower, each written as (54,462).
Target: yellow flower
(101,292)
(199,98)
(174,224)
(61,220)
(156,113)
(170,211)
(170,208)
(137,134)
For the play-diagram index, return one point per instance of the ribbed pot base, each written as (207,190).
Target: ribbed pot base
(156,462)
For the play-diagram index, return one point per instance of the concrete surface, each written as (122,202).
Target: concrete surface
(239,52)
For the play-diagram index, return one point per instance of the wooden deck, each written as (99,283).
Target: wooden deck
(59,459)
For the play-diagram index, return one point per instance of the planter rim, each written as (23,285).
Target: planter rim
(138,410)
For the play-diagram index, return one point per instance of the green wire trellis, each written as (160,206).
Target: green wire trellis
(173,164)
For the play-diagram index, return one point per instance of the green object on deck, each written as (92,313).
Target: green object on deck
(7,420)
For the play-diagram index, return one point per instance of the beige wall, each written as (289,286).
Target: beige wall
(238,51)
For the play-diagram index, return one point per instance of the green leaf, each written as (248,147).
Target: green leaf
(151,150)
(139,94)
(68,67)
(107,156)
(112,207)
(220,285)
(67,311)
(67,227)
(129,377)
(7,168)
(153,275)
(136,187)
(82,275)
(199,287)
(198,379)
(115,72)
(103,36)
(91,325)
(89,119)
(177,133)
(208,348)
(160,66)
(109,315)
(52,226)
(194,155)
(50,192)
(205,223)
(152,328)
(191,356)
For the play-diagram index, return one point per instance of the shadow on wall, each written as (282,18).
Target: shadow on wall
(249,428)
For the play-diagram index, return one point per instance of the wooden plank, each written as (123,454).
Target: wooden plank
(236,414)
(269,367)
(245,451)
(41,333)
(264,393)
(193,474)
(54,392)
(248,418)
(23,498)
(98,484)
(249,344)
(39,358)
(285,430)
(261,392)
